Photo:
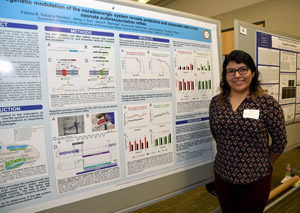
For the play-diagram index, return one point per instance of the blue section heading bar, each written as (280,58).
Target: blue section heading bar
(20,108)
(17,25)
(146,38)
(192,120)
(78,31)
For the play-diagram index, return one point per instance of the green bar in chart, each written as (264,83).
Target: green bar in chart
(163,140)
(203,85)
(156,142)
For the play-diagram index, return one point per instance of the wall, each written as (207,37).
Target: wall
(209,8)
(282,16)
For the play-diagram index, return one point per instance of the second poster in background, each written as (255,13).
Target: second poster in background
(98,96)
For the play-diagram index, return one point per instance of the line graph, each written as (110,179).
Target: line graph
(145,67)
(161,113)
(136,116)
(159,67)
(86,158)
(133,66)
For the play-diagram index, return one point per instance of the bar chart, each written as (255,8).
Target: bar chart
(184,59)
(188,67)
(202,61)
(140,144)
(193,76)
(204,85)
(194,85)
(192,60)
(186,85)
(163,140)
(147,133)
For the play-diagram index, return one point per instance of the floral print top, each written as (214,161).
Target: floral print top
(243,143)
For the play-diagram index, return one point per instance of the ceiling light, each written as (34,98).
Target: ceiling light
(143,1)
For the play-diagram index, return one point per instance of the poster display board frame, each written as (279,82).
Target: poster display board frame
(104,104)
(276,55)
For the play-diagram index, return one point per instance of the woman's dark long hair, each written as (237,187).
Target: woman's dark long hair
(239,56)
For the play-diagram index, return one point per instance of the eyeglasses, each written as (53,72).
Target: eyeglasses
(241,70)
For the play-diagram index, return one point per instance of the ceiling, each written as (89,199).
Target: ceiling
(207,8)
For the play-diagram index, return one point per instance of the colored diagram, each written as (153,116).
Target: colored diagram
(14,156)
(80,74)
(101,71)
(22,154)
(66,69)
(88,146)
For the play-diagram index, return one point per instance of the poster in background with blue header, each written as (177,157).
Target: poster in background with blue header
(98,96)
(279,65)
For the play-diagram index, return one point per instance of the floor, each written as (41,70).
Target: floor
(199,200)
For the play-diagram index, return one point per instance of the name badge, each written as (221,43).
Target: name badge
(251,113)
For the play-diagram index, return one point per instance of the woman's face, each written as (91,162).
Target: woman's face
(240,80)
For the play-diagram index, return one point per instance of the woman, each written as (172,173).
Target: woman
(241,117)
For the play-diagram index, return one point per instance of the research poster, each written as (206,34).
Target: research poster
(278,60)
(98,96)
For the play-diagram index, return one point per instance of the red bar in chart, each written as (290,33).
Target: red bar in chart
(186,85)
(138,144)
(130,147)
(187,67)
(146,143)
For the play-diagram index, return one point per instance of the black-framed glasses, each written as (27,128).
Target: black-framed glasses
(242,71)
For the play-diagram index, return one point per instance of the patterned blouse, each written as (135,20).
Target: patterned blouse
(243,143)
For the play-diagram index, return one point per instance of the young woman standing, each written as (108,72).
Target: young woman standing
(241,119)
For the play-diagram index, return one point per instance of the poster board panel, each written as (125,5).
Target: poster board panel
(102,100)
(277,56)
